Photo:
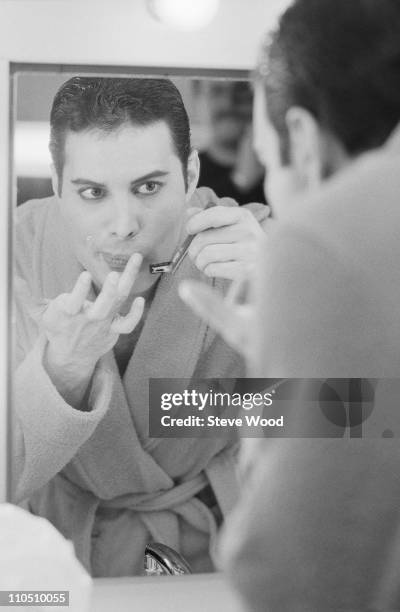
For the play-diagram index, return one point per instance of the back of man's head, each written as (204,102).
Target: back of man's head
(340,60)
(89,103)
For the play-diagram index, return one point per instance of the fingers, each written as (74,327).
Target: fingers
(217,216)
(208,251)
(104,304)
(227,201)
(229,270)
(75,300)
(129,275)
(226,260)
(115,290)
(261,213)
(226,242)
(125,325)
(239,226)
(226,235)
(191,211)
(223,261)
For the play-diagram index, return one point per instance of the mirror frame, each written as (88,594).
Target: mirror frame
(6,216)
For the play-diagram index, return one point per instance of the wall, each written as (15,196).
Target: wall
(121,32)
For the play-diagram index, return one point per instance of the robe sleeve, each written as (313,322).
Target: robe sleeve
(46,431)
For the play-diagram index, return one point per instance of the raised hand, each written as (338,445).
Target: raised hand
(225,244)
(80,332)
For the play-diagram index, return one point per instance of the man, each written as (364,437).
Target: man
(94,325)
(317,526)
(229,165)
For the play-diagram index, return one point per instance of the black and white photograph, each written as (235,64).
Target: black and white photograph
(200,305)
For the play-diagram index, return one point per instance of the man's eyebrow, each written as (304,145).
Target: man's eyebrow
(83,181)
(140,179)
(148,176)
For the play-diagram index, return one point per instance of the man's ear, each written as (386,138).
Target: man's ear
(54,180)
(193,172)
(305,140)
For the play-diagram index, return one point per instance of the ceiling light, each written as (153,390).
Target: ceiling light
(184,15)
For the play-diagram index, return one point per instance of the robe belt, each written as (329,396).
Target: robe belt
(86,505)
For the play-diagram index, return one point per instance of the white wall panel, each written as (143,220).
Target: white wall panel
(122,32)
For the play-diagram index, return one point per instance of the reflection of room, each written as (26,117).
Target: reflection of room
(124,174)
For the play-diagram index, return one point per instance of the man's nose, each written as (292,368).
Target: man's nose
(126,220)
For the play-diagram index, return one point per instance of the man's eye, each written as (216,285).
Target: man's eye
(92,193)
(148,188)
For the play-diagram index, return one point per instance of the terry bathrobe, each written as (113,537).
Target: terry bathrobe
(95,474)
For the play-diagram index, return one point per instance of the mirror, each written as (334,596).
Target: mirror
(82,456)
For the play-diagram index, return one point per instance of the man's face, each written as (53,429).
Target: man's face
(123,192)
(281,184)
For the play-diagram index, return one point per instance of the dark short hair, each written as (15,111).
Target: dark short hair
(340,60)
(85,103)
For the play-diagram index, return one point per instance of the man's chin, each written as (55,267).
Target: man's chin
(144,281)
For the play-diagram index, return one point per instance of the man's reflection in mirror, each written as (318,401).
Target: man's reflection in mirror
(93,325)
(228,163)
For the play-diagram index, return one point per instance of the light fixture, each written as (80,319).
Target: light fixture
(184,15)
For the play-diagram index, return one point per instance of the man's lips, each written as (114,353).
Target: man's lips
(117,260)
